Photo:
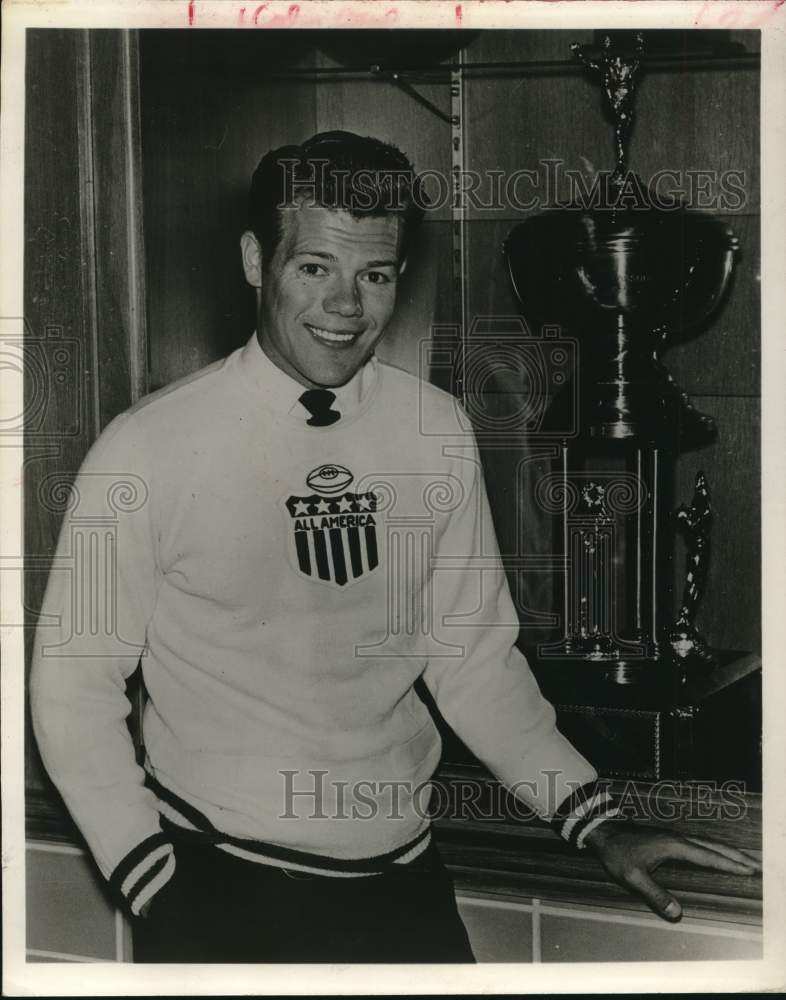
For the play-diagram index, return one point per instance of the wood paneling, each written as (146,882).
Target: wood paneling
(121,301)
(424,299)
(717,130)
(60,374)
(84,280)
(58,279)
(514,124)
(525,45)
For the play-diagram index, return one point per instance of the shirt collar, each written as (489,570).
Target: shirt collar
(282,393)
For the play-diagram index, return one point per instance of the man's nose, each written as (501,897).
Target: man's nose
(344,298)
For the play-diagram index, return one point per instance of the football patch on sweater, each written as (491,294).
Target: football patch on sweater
(333,531)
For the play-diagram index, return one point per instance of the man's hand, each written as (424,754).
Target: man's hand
(629,854)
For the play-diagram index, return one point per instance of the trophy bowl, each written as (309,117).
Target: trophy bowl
(625,283)
(654,268)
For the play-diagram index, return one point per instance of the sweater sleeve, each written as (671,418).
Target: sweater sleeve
(479,679)
(90,636)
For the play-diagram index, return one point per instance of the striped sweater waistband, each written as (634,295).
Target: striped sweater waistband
(201,831)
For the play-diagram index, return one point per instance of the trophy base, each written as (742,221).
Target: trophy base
(659,718)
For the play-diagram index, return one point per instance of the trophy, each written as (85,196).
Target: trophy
(626,276)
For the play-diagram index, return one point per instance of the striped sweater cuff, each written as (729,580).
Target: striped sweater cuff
(143,871)
(583,811)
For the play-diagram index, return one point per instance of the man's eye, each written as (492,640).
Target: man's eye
(313,269)
(377,278)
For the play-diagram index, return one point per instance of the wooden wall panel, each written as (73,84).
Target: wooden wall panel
(424,299)
(57,269)
(514,124)
(60,384)
(525,45)
(121,302)
(718,130)
(84,281)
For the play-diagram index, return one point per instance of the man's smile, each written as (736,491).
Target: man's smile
(333,338)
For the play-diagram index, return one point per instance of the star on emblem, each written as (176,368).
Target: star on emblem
(323,507)
(363,503)
(301,508)
(344,505)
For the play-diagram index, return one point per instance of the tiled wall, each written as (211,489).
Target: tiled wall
(69,915)
(538,931)
(70,919)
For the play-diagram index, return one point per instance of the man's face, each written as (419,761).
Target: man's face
(328,294)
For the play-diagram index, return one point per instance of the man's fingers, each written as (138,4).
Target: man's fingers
(696,854)
(656,897)
(733,853)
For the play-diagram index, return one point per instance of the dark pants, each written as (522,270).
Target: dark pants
(219,908)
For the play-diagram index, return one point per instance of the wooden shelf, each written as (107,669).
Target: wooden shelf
(518,858)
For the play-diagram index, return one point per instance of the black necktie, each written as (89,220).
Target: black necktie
(318,403)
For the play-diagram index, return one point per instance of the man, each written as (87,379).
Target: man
(297,554)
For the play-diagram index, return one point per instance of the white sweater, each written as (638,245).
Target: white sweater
(285,586)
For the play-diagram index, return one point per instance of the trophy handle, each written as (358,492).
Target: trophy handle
(695,523)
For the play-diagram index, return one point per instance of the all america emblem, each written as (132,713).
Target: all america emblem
(334,530)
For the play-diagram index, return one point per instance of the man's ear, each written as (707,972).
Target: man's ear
(252,258)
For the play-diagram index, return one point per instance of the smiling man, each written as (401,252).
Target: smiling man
(295,547)
(327,294)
